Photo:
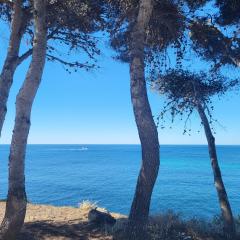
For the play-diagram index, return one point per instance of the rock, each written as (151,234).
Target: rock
(184,236)
(187,238)
(100,218)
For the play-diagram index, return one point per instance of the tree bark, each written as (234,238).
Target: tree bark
(147,129)
(229,225)
(17,200)
(18,26)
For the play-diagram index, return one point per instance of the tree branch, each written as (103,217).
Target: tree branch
(24,56)
(70,64)
(7,2)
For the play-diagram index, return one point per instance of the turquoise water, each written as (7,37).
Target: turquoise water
(68,174)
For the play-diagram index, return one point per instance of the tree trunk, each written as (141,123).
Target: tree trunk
(146,127)
(16,200)
(18,26)
(229,225)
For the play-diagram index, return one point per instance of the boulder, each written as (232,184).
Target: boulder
(101,218)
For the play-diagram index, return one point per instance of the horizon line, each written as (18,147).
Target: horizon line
(180,144)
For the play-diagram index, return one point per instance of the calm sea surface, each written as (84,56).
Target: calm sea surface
(69,174)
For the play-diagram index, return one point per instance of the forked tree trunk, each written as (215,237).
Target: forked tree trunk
(16,200)
(18,26)
(146,127)
(229,225)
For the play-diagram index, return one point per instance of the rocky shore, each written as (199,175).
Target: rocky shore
(45,222)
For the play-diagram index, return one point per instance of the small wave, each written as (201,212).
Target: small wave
(69,149)
(74,149)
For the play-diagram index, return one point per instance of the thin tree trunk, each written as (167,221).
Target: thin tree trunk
(147,130)
(229,225)
(18,26)
(16,200)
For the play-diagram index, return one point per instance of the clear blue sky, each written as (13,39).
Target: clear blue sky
(95,107)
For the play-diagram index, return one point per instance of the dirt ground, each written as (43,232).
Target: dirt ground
(45,222)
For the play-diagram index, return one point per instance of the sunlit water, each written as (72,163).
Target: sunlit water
(68,174)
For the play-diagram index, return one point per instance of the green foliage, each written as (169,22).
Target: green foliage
(195,4)
(237,221)
(229,11)
(168,226)
(70,24)
(215,33)
(184,90)
(5,12)
(172,226)
(166,26)
(211,44)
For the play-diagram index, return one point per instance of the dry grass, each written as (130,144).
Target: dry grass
(86,206)
(171,226)
(67,223)
(45,222)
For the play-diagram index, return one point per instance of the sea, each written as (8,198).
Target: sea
(66,175)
